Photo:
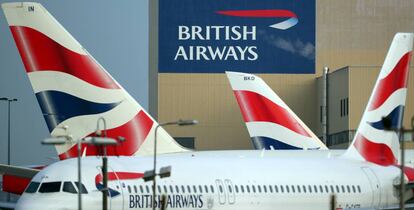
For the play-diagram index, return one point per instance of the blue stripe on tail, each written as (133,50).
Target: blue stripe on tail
(395,116)
(58,106)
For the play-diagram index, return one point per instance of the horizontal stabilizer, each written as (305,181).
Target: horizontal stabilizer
(18,171)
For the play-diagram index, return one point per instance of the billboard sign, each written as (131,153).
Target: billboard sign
(261,36)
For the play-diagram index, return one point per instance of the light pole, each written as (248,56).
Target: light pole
(103,141)
(97,141)
(153,174)
(9,100)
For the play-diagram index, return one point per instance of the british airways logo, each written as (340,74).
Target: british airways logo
(114,176)
(292,21)
(235,33)
(261,36)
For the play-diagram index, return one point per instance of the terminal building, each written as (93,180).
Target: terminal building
(350,37)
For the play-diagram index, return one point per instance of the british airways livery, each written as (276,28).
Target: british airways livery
(73,89)
(270,122)
(362,178)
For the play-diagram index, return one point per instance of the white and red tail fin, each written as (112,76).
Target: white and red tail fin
(371,142)
(270,122)
(74,90)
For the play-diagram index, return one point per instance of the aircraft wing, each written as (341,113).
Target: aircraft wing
(18,171)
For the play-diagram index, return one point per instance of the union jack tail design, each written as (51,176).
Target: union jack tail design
(372,142)
(269,121)
(74,90)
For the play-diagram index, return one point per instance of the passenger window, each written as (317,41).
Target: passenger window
(194,188)
(68,187)
(206,188)
(293,189)
(236,188)
(353,189)
(129,189)
(171,189)
(310,188)
(242,188)
(183,189)
(211,188)
(165,189)
(141,189)
(247,188)
(32,188)
(270,188)
(359,188)
(135,189)
(177,189)
(264,189)
(253,189)
(337,189)
(298,188)
(221,189)
(50,187)
(276,189)
(188,189)
(259,189)
(287,188)
(326,189)
(200,188)
(332,189)
(343,188)
(147,188)
(315,188)
(159,188)
(348,189)
(281,189)
(304,188)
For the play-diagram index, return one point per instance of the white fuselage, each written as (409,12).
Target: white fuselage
(224,180)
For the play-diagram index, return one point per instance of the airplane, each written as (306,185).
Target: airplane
(365,176)
(270,122)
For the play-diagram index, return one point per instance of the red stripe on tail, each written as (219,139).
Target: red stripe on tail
(380,154)
(256,107)
(41,53)
(135,132)
(393,81)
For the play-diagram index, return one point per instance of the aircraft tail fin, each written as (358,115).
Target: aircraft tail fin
(372,142)
(269,121)
(74,90)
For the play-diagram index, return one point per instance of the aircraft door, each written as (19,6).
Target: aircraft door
(375,186)
(220,192)
(230,191)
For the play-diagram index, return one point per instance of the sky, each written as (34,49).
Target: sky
(114,32)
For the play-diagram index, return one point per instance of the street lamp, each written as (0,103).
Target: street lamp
(9,100)
(152,174)
(97,141)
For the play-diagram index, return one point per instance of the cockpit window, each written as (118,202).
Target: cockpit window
(50,187)
(83,188)
(32,188)
(68,187)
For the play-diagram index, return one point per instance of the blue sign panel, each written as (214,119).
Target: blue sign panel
(260,36)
